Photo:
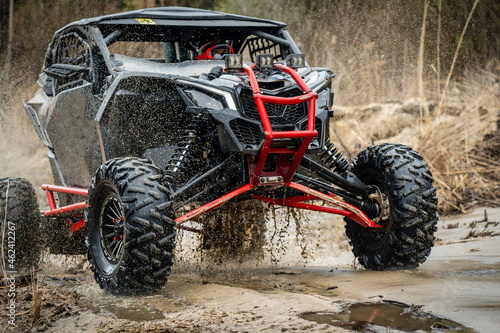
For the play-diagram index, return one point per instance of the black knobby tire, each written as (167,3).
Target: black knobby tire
(131,227)
(20,225)
(407,236)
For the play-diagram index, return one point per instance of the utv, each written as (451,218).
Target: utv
(143,117)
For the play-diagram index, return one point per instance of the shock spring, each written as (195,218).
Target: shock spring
(184,153)
(333,159)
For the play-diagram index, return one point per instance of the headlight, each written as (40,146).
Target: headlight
(325,99)
(217,99)
(264,61)
(234,61)
(204,100)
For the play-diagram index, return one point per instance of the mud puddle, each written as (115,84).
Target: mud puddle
(211,286)
(292,280)
(185,289)
(122,310)
(385,317)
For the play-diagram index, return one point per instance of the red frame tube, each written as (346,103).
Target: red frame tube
(78,225)
(306,135)
(64,189)
(65,209)
(300,204)
(345,209)
(211,205)
(53,211)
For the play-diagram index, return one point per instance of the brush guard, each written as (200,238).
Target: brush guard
(287,163)
(285,169)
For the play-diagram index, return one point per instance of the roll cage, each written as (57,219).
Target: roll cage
(183,27)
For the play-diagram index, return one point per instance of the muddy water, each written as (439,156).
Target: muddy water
(208,286)
(457,288)
(380,317)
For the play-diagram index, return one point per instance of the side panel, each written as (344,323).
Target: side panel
(141,113)
(74,135)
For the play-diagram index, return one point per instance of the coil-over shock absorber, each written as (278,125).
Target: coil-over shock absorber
(184,153)
(333,159)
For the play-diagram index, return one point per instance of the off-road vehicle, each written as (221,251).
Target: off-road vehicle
(147,128)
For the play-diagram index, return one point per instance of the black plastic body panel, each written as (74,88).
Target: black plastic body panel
(74,135)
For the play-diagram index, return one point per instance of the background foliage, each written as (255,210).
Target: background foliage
(372,46)
(387,76)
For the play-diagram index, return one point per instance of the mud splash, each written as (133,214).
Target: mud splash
(95,300)
(256,231)
(234,231)
(385,317)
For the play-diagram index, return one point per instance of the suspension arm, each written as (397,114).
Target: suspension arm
(212,205)
(199,179)
(357,215)
(356,185)
(328,188)
(370,208)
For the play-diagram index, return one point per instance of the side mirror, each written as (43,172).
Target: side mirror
(66,73)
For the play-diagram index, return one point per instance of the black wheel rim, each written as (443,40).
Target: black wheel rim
(375,239)
(111,231)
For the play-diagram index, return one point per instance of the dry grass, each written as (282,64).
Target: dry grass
(384,80)
(461,145)
(3,267)
(477,230)
(443,95)
(421,87)
(463,148)
(37,305)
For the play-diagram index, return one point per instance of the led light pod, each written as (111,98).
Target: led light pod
(234,61)
(296,61)
(264,61)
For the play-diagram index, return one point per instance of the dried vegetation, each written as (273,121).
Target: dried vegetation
(460,141)
(37,305)
(390,81)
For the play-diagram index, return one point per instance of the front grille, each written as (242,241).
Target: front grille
(318,126)
(246,132)
(278,114)
(250,134)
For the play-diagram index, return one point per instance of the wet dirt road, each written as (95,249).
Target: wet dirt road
(460,282)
